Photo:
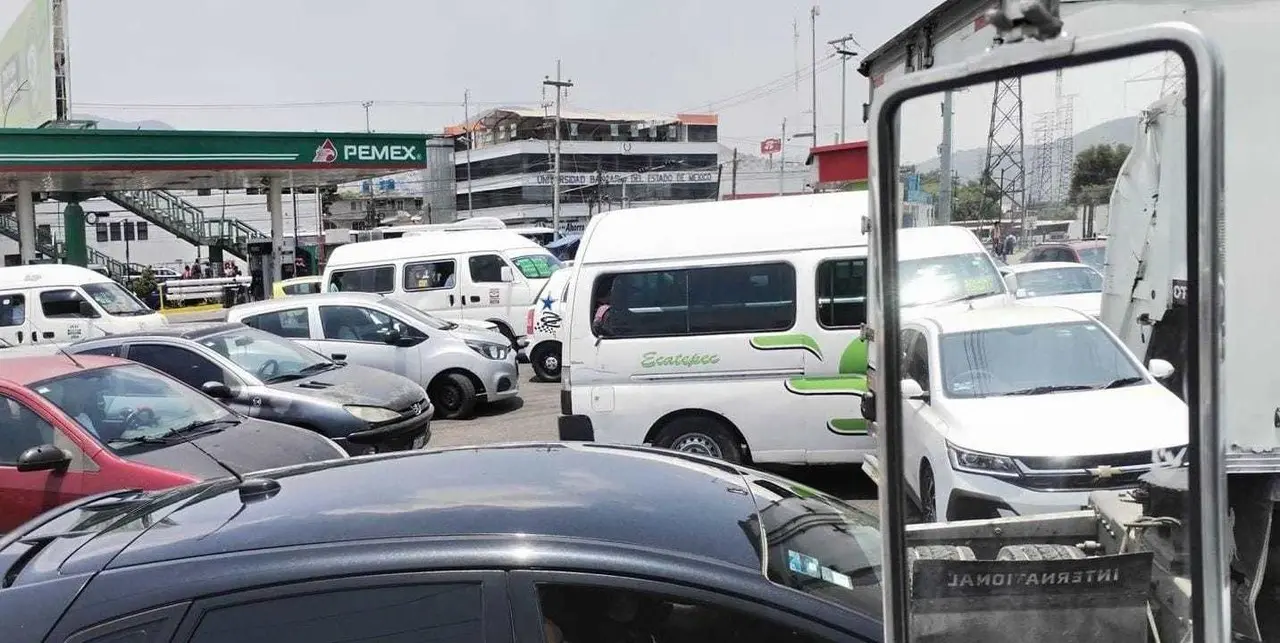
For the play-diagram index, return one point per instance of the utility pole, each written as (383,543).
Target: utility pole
(813,71)
(944,154)
(560,86)
(845,55)
(782,160)
(733,180)
(367,104)
(466,122)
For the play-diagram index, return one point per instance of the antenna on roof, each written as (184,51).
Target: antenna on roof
(67,355)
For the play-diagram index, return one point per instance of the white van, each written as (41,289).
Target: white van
(466,275)
(732,329)
(56,303)
(544,326)
(940,269)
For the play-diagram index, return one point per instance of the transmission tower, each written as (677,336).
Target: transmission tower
(1043,180)
(1172,76)
(1005,168)
(1064,133)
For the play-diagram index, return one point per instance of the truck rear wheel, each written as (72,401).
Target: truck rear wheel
(1039,552)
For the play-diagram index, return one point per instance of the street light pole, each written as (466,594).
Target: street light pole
(560,86)
(845,55)
(466,122)
(367,104)
(813,47)
(9,103)
(782,160)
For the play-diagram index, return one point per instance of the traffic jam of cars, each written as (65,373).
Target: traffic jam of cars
(131,442)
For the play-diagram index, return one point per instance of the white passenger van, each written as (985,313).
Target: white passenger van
(55,303)
(466,275)
(732,329)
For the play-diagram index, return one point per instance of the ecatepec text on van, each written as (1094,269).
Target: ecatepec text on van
(654,359)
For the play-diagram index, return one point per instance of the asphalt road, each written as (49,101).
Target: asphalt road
(533,415)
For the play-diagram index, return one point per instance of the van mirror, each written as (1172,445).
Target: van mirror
(1011,281)
(86,309)
(391,335)
(911,390)
(505,275)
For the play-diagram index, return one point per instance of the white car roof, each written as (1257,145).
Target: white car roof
(1001,317)
(269,305)
(49,274)
(428,245)
(1047,265)
(717,228)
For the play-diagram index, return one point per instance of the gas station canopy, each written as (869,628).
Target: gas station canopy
(90,160)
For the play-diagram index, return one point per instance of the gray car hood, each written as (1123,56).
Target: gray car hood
(352,384)
(252,445)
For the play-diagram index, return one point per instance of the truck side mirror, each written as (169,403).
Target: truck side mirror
(505,275)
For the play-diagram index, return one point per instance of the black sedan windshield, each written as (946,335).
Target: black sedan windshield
(1026,360)
(818,544)
(120,405)
(268,357)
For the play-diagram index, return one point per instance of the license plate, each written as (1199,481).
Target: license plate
(419,442)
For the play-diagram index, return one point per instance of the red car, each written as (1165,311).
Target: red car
(1091,252)
(76,426)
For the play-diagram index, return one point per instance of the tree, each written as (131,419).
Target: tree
(971,204)
(1095,171)
(144,284)
(1094,177)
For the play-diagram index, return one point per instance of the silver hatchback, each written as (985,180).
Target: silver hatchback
(459,365)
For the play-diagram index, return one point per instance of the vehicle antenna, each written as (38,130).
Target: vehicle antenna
(68,356)
(239,478)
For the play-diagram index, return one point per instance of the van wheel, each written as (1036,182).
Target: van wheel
(454,395)
(700,435)
(928,495)
(546,361)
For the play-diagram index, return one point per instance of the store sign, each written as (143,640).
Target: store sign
(618,178)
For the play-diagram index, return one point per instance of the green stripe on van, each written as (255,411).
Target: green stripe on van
(847,426)
(787,341)
(835,385)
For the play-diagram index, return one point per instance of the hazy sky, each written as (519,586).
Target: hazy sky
(308,64)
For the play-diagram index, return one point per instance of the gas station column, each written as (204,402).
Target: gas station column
(26,223)
(275,207)
(77,254)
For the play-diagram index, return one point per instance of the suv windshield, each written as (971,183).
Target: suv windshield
(1095,257)
(123,405)
(1058,281)
(940,280)
(115,300)
(537,266)
(818,544)
(1033,359)
(268,357)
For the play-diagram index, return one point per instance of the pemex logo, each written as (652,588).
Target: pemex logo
(326,153)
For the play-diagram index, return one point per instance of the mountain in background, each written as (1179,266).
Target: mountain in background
(968,164)
(107,123)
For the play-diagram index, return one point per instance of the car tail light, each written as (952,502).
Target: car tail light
(528,322)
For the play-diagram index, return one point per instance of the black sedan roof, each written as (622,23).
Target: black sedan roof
(626,495)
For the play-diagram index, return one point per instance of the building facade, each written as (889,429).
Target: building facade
(504,163)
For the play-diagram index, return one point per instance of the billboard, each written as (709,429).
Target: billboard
(26,68)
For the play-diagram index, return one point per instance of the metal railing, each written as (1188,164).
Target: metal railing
(186,220)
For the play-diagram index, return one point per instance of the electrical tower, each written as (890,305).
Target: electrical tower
(1005,168)
(1041,190)
(1064,147)
(1172,75)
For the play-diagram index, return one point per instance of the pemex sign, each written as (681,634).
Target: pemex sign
(368,152)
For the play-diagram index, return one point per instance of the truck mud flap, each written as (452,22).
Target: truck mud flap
(1101,599)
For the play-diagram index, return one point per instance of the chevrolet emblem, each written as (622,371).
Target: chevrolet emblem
(1104,472)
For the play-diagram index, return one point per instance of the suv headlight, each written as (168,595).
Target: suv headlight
(490,350)
(372,414)
(982,463)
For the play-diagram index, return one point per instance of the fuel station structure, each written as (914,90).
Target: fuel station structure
(136,169)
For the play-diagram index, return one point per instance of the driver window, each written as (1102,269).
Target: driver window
(61,304)
(358,324)
(580,613)
(20,429)
(184,365)
(915,363)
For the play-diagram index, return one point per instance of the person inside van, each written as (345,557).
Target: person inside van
(600,311)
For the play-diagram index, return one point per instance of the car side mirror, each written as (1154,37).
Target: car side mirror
(911,390)
(86,309)
(505,275)
(1160,369)
(1011,282)
(45,457)
(406,342)
(216,390)
(392,336)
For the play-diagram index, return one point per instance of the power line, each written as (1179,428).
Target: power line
(298,104)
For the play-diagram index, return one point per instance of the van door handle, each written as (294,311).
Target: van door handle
(450,300)
(19,337)
(475,299)
(47,335)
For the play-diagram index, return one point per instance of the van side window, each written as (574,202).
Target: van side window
(60,303)
(700,301)
(842,293)
(292,323)
(379,279)
(486,269)
(13,310)
(429,275)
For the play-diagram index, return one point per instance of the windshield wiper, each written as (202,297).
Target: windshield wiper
(167,436)
(303,372)
(1124,381)
(1040,390)
(960,299)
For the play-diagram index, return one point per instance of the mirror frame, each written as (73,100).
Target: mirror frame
(1210,608)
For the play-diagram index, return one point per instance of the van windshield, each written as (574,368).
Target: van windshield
(115,300)
(537,266)
(942,280)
